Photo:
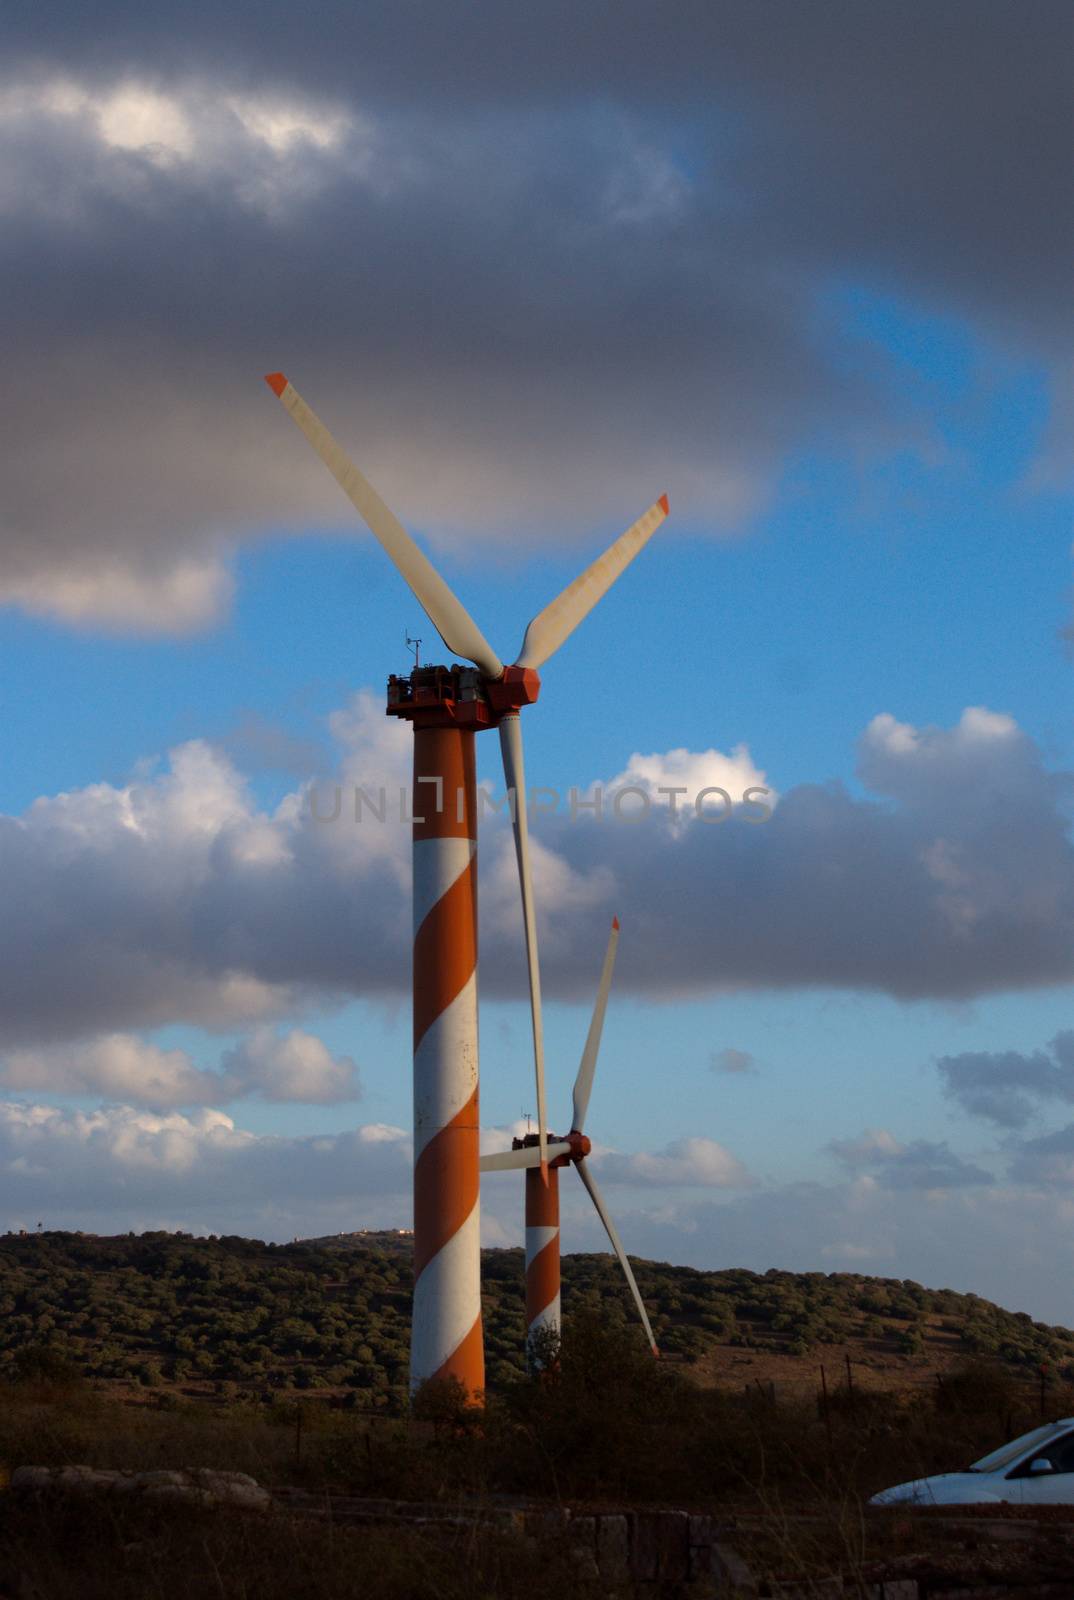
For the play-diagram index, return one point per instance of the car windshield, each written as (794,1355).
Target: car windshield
(1007,1453)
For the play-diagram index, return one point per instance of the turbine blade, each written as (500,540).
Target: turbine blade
(562,615)
(514,771)
(447,614)
(514,1160)
(610,1229)
(583,1083)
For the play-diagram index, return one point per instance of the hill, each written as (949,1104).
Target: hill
(235,1315)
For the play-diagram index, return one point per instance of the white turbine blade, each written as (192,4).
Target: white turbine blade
(583,1083)
(514,770)
(610,1229)
(562,615)
(513,1160)
(448,616)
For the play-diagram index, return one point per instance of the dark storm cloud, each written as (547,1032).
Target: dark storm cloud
(512,255)
(1006,1086)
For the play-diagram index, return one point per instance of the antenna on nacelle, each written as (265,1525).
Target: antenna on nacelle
(415,645)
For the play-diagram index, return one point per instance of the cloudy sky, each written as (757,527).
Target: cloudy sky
(806,268)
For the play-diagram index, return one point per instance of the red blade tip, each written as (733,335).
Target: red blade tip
(662,502)
(615,924)
(276,382)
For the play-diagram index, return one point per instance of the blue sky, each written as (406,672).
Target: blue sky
(871,514)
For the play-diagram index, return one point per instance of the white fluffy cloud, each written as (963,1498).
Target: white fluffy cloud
(293,1066)
(693,1162)
(677,779)
(116,1066)
(180,124)
(118,1168)
(174,899)
(133,1166)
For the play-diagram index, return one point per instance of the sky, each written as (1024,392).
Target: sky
(806,269)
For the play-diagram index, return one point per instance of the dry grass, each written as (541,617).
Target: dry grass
(609,1428)
(113,1549)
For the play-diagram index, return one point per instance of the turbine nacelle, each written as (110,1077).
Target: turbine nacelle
(431,695)
(578,1146)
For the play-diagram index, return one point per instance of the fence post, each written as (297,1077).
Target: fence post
(824,1407)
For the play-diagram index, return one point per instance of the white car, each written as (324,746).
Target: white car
(1036,1469)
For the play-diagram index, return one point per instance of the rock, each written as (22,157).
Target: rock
(613,1549)
(31,1478)
(582,1539)
(203,1485)
(70,1478)
(732,1571)
(160,1479)
(170,1491)
(661,1546)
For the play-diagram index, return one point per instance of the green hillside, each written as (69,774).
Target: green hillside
(240,1316)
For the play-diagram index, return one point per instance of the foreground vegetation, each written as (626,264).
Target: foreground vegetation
(250,1320)
(122,1550)
(607,1427)
(289,1363)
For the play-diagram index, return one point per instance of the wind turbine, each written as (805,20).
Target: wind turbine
(542,1200)
(447,706)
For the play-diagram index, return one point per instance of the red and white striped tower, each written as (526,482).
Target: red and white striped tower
(542,1204)
(448,707)
(542,1231)
(542,1257)
(446,1337)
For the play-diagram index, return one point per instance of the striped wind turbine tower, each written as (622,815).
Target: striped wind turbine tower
(542,1256)
(543,1320)
(447,706)
(446,1338)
